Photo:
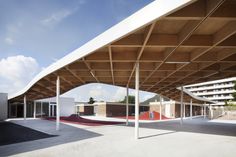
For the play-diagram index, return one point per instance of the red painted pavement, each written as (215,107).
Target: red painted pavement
(83,121)
(146,116)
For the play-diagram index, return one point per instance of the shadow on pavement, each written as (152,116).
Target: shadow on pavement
(17,139)
(166,133)
(197,125)
(11,133)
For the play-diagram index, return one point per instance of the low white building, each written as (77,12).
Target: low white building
(3,106)
(67,106)
(42,108)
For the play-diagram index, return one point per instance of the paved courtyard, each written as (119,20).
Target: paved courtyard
(197,137)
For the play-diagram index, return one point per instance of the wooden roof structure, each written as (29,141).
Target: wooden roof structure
(176,42)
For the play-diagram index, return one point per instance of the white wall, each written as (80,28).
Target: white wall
(3,106)
(67,105)
(167,110)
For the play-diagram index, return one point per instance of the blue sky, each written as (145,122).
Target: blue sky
(35,33)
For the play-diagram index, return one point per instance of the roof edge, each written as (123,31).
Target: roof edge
(141,18)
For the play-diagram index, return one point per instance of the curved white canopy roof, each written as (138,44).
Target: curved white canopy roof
(172,39)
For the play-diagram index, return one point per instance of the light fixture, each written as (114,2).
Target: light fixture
(170,62)
(92,73)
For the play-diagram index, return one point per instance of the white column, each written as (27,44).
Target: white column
(181,106)
(16,110)
(58,104)
(53,106)
(76,111)
(24,107)
(201,110)
(204,110)
(41,109)
(127,105)
(211,112)
(34,109)
(160,107)
(184,113)
(49,109)
(191,109)
(136,134)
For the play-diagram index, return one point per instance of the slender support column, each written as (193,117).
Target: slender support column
(211,112)
(25,107)
(160,107)
(136,135)
(127,105)
(201,110)
(191,109)
(41,109)
(184,113)
(53,110)
(9,110)
(76,110)
(34,109)
(58,104)
(181,106)
(49,109)
(204,110)
(16,111)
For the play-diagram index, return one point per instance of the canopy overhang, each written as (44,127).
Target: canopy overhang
(176,42)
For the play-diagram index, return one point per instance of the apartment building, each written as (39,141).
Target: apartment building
(218,90)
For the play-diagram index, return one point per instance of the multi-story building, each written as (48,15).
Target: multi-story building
(218,91)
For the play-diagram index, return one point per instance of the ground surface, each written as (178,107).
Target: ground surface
(228,116)
(148,116)
(194,138)
(12,133)
(75,119)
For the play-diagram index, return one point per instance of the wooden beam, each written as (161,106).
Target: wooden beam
(186,32)
(172,40)
(146,37)
(111,64)
(199,9)
(40,91)
(46,87)
(63,79)
(200,69)
(225,32)
(76,76)
(90,70)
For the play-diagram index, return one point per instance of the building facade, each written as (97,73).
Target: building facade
(42,108)
(3,106)
(82,108)
(218,91)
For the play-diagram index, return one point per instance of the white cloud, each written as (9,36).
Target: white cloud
(16,72)
(9,40)
(58,16)
(98,92)
(119,94)
(148,96)
(82,2)
(103,92)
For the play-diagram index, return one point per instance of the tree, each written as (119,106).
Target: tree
(233,94)
(229,104)
(131,99)
(91,100)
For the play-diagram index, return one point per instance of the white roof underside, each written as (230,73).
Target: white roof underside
(141,18)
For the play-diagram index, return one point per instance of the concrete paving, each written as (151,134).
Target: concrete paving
(11,133)
(194,138)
